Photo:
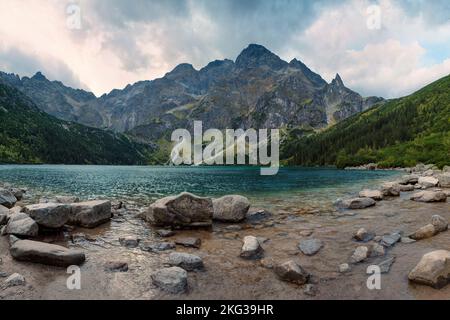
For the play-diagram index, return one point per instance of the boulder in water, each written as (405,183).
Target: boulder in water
(433,269)
(231,208)
(90,214)
(49,215)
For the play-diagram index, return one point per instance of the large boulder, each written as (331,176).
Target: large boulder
(390,189)
(7,198)
(374,194)
(183,210)
(49,215)
(90,214)
(429,196)
(291,271)
(444,180)
(428,182)
(433,269)
(232,208)
(46,253)
(173,279)
(20,224)
(357,203)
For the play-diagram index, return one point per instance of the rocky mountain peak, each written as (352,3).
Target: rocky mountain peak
(255,56)
(337,81)
(314,77)
(39,76)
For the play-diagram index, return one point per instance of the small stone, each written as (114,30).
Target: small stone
(291,271)
(267,263)
(165,233)
(233,227)
(251,248)
(310,290)
(156,247)
(306,233)
(390,239)
(377,250)
(15,280)
(116,266)
(425,232)
(360,254)
(385,266)
(310,247)
(363,235)
(189,242)
(344,268)
(129,241)
(173,279)
(186,261)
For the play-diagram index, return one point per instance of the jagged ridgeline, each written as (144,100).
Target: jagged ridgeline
(401,132)
(28,135)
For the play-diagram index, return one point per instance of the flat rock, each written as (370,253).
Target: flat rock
(15,280)
(310,247)
(20,224)
(116,266)
(428,182)
(291,271)
(357,203)
(186,261)
(429,196)
(390,239)
(189,242)
(433,269)
(183,210)
(385,266)
(49,215)
(7,198)
(374,194)
(90,214)
(156,247)
(45,253)
(164,233)
(172,280)
(258,216)
(129,241)
(360,254)
(231,208)
(251,249)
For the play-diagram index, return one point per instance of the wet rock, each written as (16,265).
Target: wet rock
(390,189)
(116,266)
(49,215)
(164,233)
(429,196)
(45,253)
(439,223)
(156,247)
(407,188)
(90,214)
(373,194)
(18,193)
(360,254)
(291,271)
(310,290)
(129,241)
(428,182)
(377,250)
(385,266)
(433,269)
(363,235)
(310,247)
(251,248)
(258,216)
(357,203)
(390,239)
(15,280)
(231,208)
(173,279)
(7,198)
(444,180)
(424,232)
(409,179)
(20,224)
(184,210)
(344,268)
(186,261)
(189,242)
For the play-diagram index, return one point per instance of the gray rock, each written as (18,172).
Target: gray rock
(49,215)
(444,180)
(231,208)
(291,271)
(410,179)
(428,182)
(173,279)
(186,261)
(360,254)
(310,247)
(374,194)
(189,242)
(251,248)
(18,193)
(433,269)
(439,223)
(90,214)
(390,189)
(45,253)
(377,250)
(165,233)
(407,188)
(156,247)
(66,199)
(385,266)
(344,268)
(390,239)
(20,224)
(363,235)
(429,196)
(129,241)
(258,216)
(7,199)
(13,239)
(116,266)
(357,203)
(15,280)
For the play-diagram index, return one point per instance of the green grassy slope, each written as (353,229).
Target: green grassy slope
(401,132)
(28,135)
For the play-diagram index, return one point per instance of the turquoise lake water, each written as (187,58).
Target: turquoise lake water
(290,187)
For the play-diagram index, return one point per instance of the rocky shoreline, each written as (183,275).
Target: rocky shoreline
(176,246)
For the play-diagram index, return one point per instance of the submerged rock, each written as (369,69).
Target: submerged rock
(184,210)
(433,269)
(291,271)
(231,208)
(357,203)
(424,232)
(157,247)
(129,241)
(251,248)
(360,254)
(186,261)
(20,224)
(374,194)
(388,240)
(18,193)
(310,247)
(189,242)
(90,214)
(7,198)
(49,215)
(363,235)
(429,196)
(45,253)
(116,266)
(172,280)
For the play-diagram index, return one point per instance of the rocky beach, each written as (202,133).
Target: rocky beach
(191,247)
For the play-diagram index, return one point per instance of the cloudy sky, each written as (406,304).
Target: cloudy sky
(387,48)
